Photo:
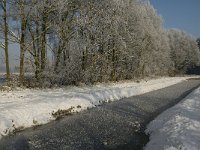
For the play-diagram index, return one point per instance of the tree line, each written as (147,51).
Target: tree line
(93,41)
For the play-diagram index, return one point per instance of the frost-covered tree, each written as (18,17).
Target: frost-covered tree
(198,42)
(98,41)
(105,40)
(184,50)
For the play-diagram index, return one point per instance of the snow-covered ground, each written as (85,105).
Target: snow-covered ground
(178,128)
(24,108)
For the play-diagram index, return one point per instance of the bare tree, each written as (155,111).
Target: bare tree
(5,27)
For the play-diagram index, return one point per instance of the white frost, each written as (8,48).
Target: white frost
(28,107)
(178,128)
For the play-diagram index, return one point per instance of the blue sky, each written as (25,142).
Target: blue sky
(182,14)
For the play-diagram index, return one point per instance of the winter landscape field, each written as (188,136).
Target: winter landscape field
(24,108)
(99,74)
(176,128)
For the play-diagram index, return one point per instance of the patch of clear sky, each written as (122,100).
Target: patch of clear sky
(181,14)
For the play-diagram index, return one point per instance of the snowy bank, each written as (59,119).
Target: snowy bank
(178,128)
(24,108)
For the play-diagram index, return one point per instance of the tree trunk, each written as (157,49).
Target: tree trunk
(58,59)
(22,42)
(113,73)
(43,46)
(37,53)
(6,41)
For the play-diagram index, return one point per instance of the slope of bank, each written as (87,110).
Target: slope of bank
(178,127)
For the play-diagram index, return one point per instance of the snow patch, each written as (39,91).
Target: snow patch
(178,128)
(24,108)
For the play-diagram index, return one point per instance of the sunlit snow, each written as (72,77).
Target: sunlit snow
(178,128)
(24,108)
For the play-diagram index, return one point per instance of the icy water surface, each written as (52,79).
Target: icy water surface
(119,125)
